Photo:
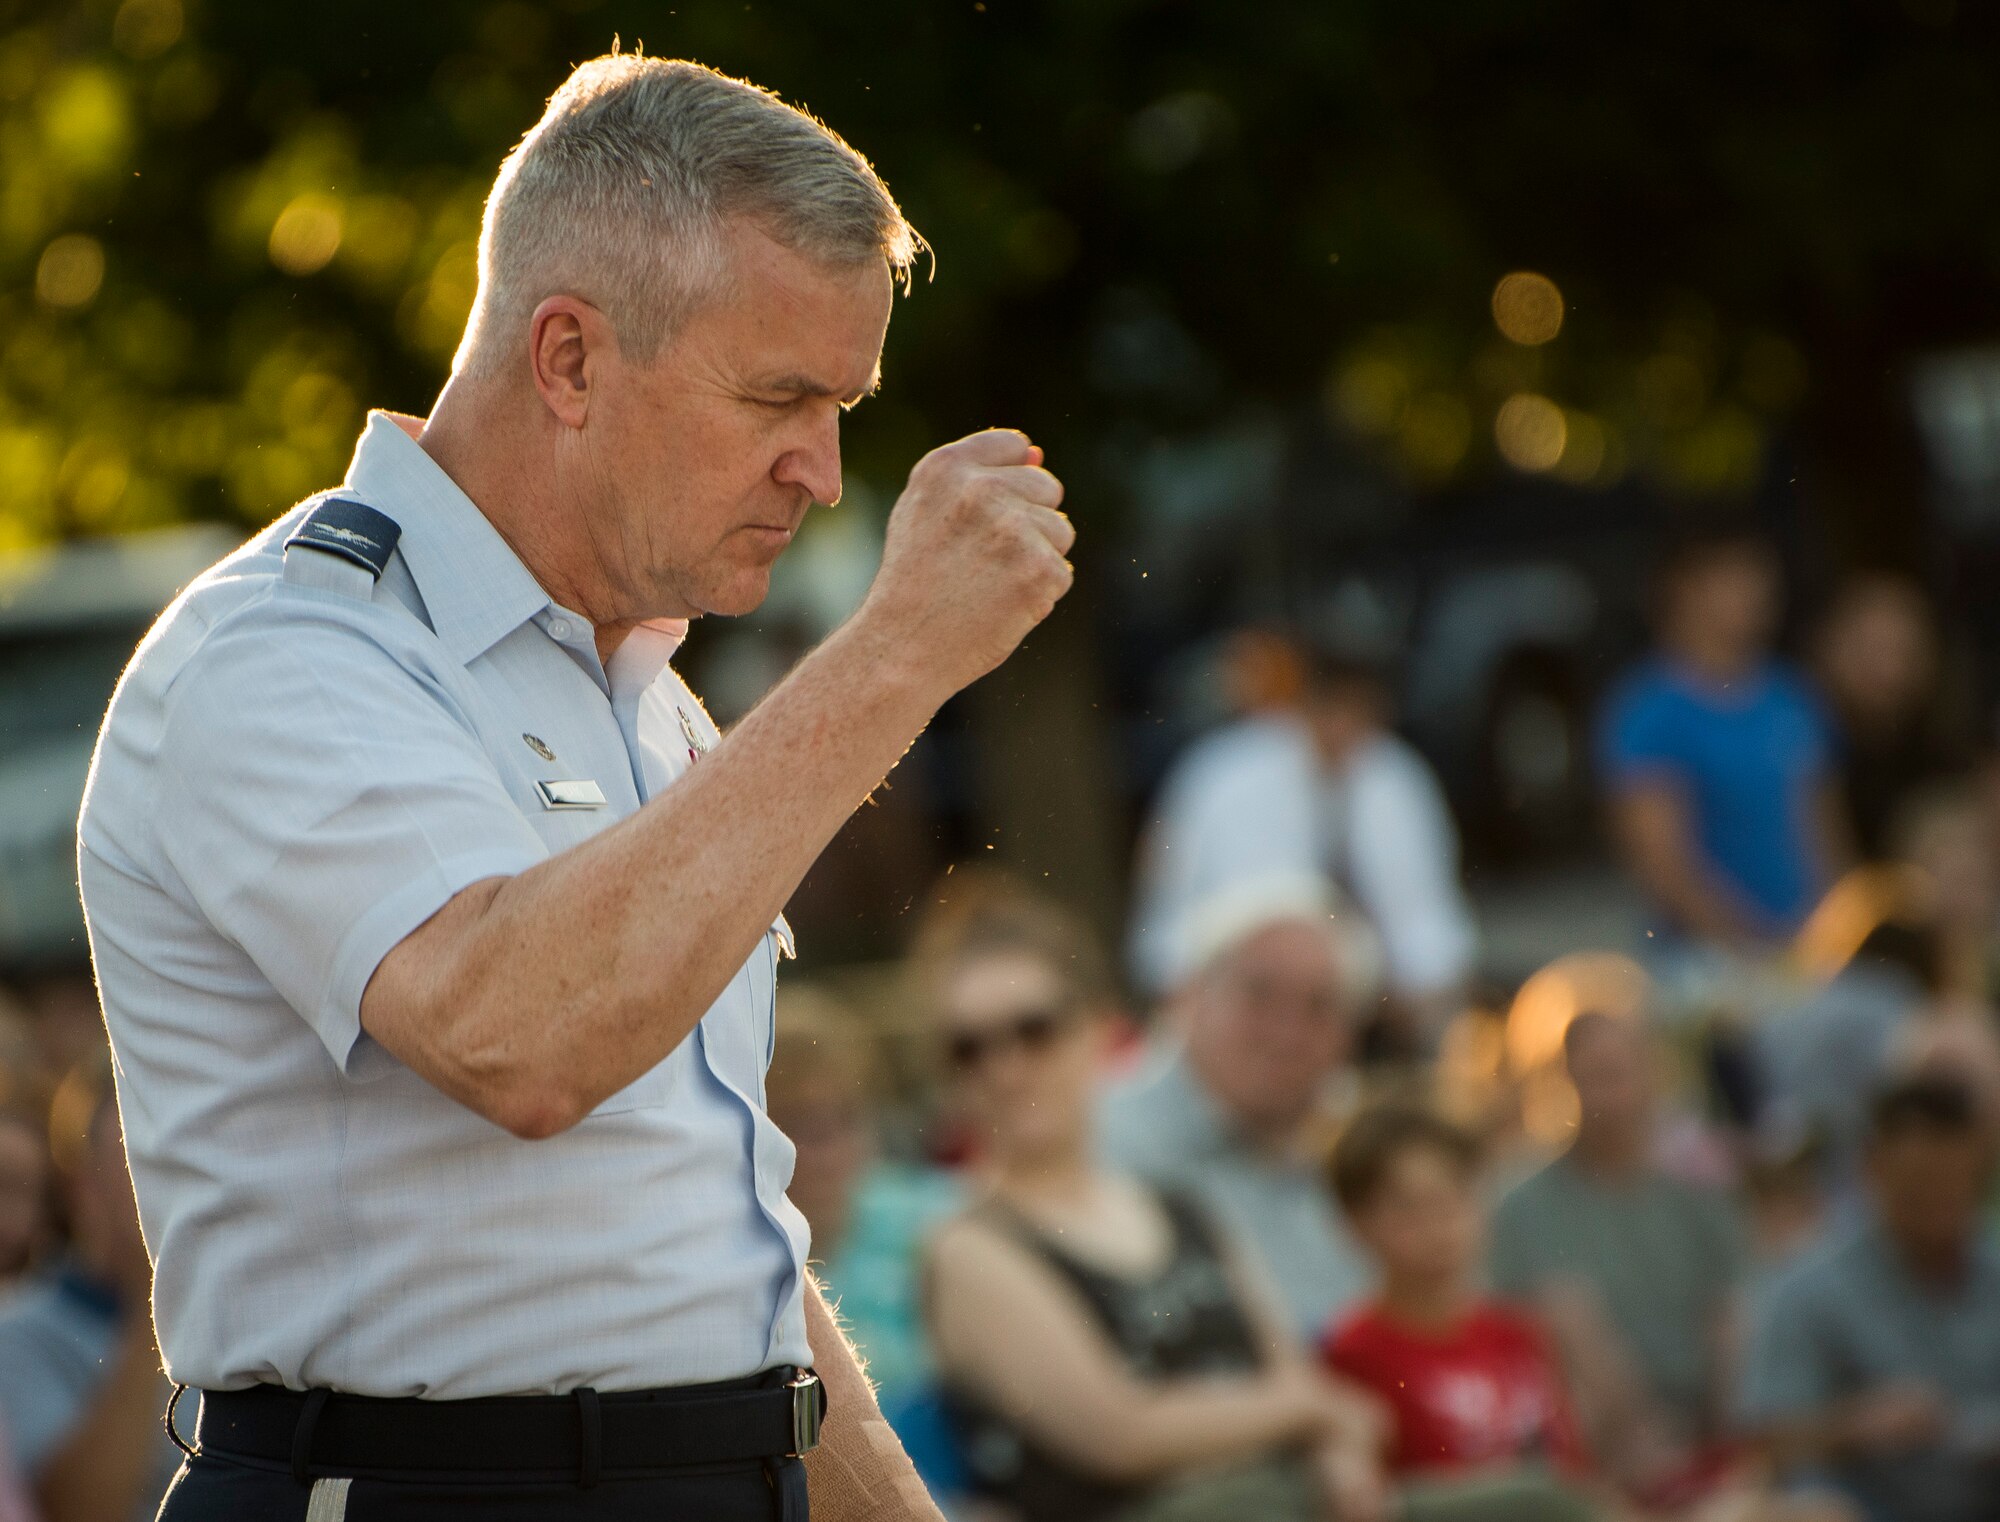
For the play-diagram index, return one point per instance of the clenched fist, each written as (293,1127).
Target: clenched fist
(973,559)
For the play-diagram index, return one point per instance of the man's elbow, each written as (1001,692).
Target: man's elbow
(526,1099)
(516,1086)
(533,1113)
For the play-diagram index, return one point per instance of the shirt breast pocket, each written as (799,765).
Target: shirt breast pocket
(738,1034)
(652,1089)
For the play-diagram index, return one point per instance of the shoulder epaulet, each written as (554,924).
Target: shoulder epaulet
(352,530)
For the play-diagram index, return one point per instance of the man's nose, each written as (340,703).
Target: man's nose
(813,462)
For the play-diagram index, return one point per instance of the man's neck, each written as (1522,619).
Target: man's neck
(495,450)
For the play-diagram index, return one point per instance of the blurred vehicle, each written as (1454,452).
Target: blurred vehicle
(70,618)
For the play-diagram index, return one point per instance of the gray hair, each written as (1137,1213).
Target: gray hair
(621,194)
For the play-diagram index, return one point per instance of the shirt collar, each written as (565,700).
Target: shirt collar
(474,586)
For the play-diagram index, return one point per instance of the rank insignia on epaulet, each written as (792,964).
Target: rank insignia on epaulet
(352,530)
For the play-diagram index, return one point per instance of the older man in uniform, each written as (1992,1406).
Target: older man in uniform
(437,928)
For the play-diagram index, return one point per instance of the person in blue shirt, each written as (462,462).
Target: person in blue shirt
(1718,757)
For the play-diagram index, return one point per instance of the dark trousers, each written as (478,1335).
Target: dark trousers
(211,1488)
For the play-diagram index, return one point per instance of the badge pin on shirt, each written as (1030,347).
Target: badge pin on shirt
(697,741)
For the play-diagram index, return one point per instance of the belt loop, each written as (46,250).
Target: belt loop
(302,1435)
(173,1404)
(590,1454)
(787,1479)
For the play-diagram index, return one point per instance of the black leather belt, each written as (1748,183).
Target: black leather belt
(583,1435)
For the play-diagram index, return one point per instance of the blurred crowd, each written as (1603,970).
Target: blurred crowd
(1280,1210)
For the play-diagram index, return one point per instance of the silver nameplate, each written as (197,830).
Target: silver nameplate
(579,794)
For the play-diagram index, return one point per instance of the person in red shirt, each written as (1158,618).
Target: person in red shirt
(1476,1392)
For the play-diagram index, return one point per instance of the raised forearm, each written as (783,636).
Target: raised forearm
(859,1473)
(533,998)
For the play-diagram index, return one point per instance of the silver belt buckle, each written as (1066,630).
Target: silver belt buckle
(808,1406)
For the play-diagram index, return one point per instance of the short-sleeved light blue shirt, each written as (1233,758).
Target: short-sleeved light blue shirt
(298,769)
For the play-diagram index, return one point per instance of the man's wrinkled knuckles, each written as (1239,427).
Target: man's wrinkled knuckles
(937,467)
(1037,484)
(1029,537)
(990,488)
(995,446)
(998,446)
(1028,484)
(1054,527)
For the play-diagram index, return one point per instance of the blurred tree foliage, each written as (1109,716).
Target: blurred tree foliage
(228,225)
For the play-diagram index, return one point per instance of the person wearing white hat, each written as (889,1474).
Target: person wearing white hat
(1228,1104)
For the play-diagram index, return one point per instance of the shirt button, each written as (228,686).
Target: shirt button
(558,629)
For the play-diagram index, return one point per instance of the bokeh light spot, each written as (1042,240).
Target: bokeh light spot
(1369,394)
(1530,432)
(306,235)
(71,271)
(1041,245)
(24,63)
(94,475)
(317,411)
(1433,435)
(28,459)
(146,28)
(381,230)
(1773,373)
(1671,389)
(1586,444)
(185,90)
(1527,308)
(433,314)
(1174,131)
(85,123)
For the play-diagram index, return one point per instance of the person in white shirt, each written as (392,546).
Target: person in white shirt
(1322,787)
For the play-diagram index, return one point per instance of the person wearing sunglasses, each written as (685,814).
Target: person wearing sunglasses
(1105,1351)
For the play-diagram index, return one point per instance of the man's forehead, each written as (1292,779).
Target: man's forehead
(791,282)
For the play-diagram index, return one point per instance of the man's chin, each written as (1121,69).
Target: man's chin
(740,595)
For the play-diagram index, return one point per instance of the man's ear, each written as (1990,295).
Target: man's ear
(568,342)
